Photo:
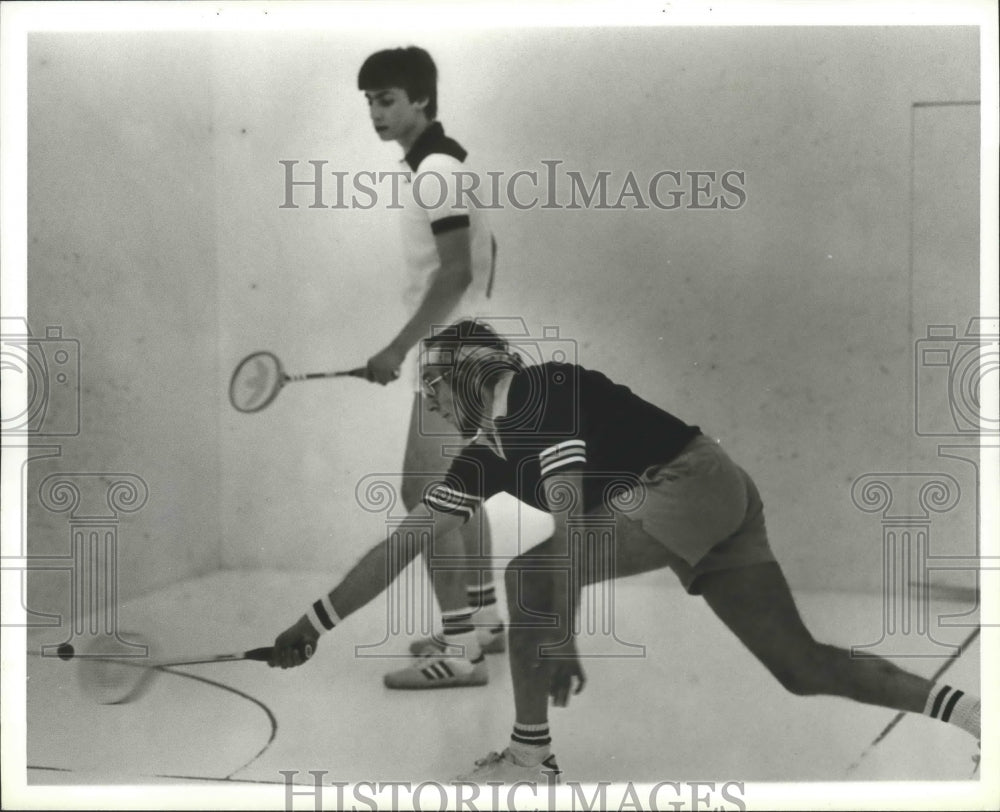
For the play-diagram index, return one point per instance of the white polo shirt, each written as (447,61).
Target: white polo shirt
(433,204)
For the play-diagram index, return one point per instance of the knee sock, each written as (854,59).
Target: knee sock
(460,634)
(483,603)
(951,705)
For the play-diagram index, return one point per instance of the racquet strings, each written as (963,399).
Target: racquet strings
(111,681)
(256,382)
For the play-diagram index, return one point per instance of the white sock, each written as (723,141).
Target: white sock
(529,744)
(952,705)
(483,602)
(460,635)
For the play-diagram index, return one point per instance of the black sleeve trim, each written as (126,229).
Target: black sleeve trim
(450,223)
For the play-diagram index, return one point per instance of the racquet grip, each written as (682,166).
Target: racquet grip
(264,654)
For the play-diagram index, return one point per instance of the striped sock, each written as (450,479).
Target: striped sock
(459,633)
(530,743)
(951,705)
(483,602)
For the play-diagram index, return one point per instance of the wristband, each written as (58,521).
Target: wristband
(322,615)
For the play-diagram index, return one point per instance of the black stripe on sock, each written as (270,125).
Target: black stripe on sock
(324,618)
(938,700)
(533,742)
(951,706)
(451,630)
(480,598)
(527,734)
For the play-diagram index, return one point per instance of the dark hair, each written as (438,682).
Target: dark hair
(410,68)
(471,376)
(462,333)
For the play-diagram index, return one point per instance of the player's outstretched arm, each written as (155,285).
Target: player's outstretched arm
(367,579)
(445,291)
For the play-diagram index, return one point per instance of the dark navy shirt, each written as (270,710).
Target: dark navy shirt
(562,417)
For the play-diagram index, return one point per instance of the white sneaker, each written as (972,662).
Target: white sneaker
(439,672)
(491,641)
(502,768)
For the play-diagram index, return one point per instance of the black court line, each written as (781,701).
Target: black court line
(272,720)
(969,103)
(899,716)
(239,780)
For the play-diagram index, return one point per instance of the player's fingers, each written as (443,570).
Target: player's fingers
(581,681)
(559,688)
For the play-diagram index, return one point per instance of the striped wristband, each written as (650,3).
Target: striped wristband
(322,615)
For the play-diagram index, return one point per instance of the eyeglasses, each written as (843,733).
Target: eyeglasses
(428,386)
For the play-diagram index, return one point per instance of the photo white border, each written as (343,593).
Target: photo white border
(19,19)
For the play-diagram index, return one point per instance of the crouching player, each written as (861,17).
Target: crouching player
(557,437)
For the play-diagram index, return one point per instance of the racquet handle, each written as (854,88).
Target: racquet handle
(263,654)
(359,372)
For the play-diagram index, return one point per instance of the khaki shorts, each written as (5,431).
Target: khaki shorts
(706,511)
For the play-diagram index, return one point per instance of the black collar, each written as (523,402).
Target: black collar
(430,141)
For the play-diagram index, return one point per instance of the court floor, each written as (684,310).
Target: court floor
(675,698)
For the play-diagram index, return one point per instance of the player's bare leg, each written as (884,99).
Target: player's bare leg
(529,605)
(757,606)
(458,583)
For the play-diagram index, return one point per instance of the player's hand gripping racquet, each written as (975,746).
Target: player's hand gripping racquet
(259,377)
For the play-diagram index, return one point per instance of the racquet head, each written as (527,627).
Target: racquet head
(256,382)
(115,681)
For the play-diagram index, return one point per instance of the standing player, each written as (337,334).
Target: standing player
(563,439)
(449,253)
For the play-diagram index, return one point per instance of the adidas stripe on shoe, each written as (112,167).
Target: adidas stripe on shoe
(439,672)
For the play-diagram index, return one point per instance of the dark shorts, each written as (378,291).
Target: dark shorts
(706,511)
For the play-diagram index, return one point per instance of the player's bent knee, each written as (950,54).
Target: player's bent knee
(801,678)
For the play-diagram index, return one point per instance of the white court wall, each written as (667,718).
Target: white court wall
(121,258)
(785,327)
